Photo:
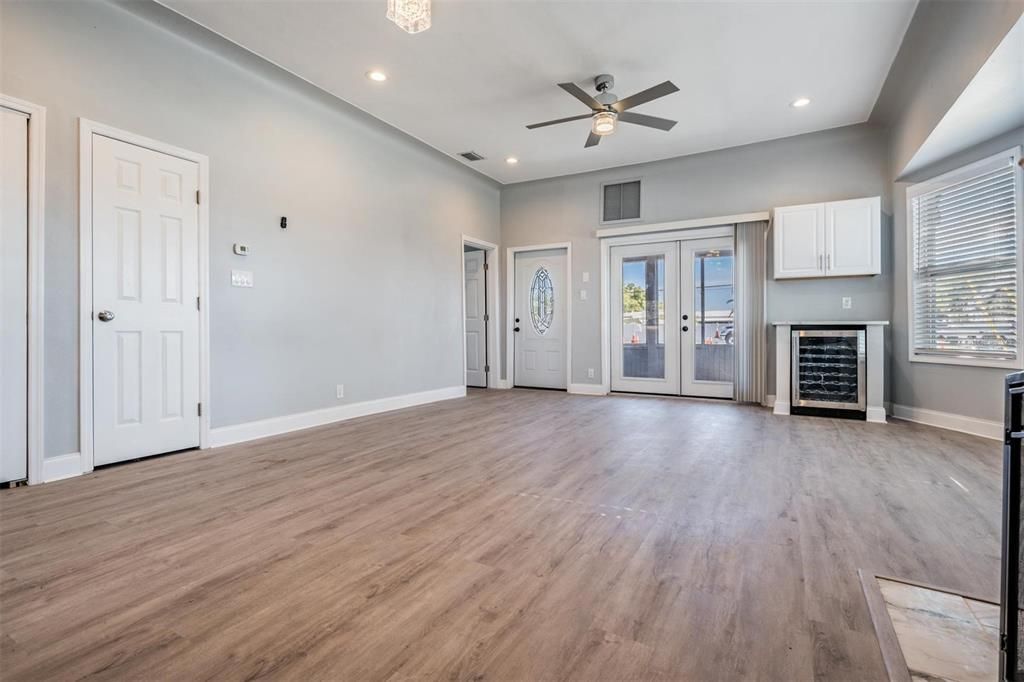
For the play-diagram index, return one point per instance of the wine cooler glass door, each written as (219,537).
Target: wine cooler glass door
(828,368)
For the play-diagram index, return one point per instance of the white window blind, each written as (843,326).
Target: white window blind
(965,263)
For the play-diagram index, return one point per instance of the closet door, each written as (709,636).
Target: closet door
(13,295)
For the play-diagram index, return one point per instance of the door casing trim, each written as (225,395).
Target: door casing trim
(492,303)
(510,298)
(36,269)
(86,130)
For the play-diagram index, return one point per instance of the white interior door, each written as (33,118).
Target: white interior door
(540,319)
(145,302)
(13,295)
(707,317)
(476,318)
(645,307)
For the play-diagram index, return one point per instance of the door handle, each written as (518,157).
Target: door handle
(828,262)
(685,328)
(104,316)
(515,329)
(685,316)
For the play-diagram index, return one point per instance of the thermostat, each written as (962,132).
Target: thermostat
(242,249)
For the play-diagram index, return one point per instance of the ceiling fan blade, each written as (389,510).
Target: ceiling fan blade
(558,120)
(659,90)
(592,140)
(581,94)
(645,120)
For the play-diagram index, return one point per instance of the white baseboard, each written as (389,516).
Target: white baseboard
(769,401)
(780,407)
(502,384)
(239,433)
(62,466)
(587,389)
(954,422)
(876,415)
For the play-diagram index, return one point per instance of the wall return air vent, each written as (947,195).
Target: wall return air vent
(471,156)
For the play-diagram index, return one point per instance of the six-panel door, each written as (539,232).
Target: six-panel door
(145,309)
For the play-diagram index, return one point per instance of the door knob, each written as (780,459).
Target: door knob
(105,316)
(685,328)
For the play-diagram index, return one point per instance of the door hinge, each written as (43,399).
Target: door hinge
(199,409)
(487,318)
(197,303)
(487,266)
(487,368)
(197,196)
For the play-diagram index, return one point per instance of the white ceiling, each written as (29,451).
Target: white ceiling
(992,104)
(485,69)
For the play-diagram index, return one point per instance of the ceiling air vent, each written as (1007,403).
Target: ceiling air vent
(471,156)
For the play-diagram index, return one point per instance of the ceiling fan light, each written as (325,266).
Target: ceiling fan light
(604,123)
(412,16)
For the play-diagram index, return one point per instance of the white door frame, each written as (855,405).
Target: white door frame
(606,263)
(86,129)
(36,203)
(493,311)
(510,297)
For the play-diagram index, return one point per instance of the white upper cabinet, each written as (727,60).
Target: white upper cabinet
(834,239)
(800,241)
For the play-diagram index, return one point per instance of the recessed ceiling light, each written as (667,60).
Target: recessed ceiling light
(800,102)
(378,76)
(511,160)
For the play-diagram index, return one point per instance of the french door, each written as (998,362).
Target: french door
(673,315)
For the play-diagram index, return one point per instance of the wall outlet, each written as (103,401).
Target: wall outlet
(583,294)
(341,391)
(586,277)
(590,372)
(241,278)
(847,302)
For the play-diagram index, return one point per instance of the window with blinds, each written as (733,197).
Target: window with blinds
(966,263)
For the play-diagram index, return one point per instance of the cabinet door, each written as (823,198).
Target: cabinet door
(853,237)
(799,241)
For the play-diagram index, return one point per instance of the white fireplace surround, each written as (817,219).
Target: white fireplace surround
(875,376)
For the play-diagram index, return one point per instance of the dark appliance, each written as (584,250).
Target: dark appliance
(1011,622)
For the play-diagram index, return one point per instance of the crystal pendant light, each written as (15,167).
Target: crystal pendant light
(412,16)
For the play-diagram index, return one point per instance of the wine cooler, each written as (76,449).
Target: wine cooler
(828,372)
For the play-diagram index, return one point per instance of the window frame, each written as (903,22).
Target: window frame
(620,221)
(952,177)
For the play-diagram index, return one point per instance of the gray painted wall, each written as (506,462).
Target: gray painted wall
(363,288)
(970,391)
(834,164)
(946,44)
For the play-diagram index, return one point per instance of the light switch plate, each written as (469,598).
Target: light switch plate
(586,277)
(583,294)
(241,278)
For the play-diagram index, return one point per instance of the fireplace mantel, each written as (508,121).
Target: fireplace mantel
(875,375)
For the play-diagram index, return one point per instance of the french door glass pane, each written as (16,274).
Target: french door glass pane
(643,317)
(714,314)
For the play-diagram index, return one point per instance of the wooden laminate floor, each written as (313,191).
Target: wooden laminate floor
(510,535)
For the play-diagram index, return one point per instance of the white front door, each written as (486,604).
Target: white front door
(540,319)
(13,295)
(145,313)
(476,313)
(645,306)
(672,318)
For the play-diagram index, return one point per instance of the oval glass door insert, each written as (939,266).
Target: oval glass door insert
(542,301)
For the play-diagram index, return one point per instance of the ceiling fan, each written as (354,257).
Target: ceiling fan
(607,108)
